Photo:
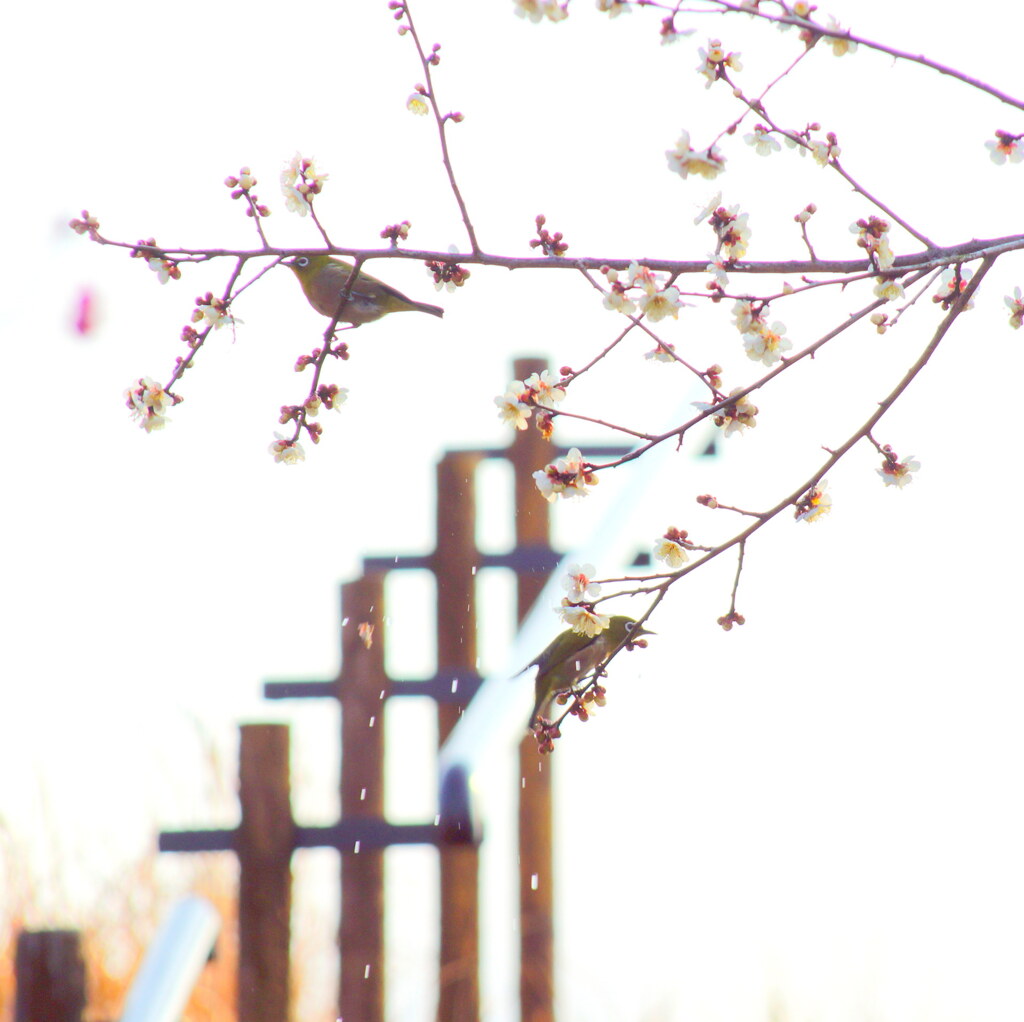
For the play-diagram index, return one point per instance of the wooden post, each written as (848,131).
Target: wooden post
(453,564)
(49,973)
(264,845)
(530,451)
(360,689)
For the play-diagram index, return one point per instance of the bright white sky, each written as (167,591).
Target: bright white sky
(815,812)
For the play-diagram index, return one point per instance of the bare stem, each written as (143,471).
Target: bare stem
(442,121)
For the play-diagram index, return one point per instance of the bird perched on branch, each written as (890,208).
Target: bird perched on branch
(324,279)
(571,656)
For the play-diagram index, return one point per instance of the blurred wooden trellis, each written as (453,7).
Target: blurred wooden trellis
(267,835)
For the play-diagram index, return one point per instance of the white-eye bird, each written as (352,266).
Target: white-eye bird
(571,656)
(324,279)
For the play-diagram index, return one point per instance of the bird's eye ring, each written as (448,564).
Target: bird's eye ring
(302,261)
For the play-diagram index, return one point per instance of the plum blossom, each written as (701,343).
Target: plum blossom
(583,619)
(765,344)
(569,477)
(578,583)
(684,160)
(814,504)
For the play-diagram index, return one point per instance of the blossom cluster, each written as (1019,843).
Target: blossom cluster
(766,344)
(895,472)
(873,237)
(87,225)
(243,184)
(656,301)
(536,10)
(417,102)
(714,61)
(164,268)
(763,343)
(583,618)
(888,289)
(569,477)
(952,284)
(299,183)
(447,276)
(762,140)
(673,547)
(841,45)
(668,31)
(814,504)
(739,414)
(213,311)
(550,244)
(661,352)
(733,231)
(577,608)
(579,583)
(685,160)
(149,402)
(823,150)
(286,451)
(1005,147)
(541,390)
(328,395)
(801,10)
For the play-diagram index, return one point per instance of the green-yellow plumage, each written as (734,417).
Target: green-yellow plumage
(570,657)
(324,279)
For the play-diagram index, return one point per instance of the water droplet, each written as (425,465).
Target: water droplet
(372,719)
(455,684)
(534,881)
(366,971)
(355,848)
(344,621)
(362,795)
(437,820)
(472,570)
